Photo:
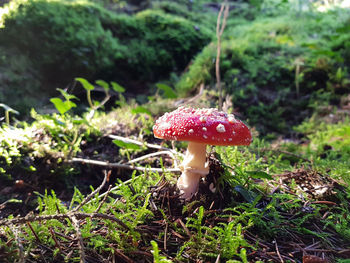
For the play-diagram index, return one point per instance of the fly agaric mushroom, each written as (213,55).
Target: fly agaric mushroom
(199,127)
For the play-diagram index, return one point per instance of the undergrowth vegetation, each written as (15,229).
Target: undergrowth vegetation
(82,38)
(272,65)
(266,194)
(85,180)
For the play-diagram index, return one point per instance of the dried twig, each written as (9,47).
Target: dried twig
(104,199)
(57,243)
(78,215)
(14,229)
(76,226)
(171,154)
(34,233)
(278,252)
(124,166)
(220,26)
(91,195)
(149,145)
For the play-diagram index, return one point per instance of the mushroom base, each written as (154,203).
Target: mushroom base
(188,184)
(194,167)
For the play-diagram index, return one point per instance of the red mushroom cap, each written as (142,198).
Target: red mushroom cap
(208,126)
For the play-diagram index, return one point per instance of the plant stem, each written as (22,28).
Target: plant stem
(88,94)
(7,117)
(219,30)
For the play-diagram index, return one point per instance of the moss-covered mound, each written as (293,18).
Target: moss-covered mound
(59,40)
(280,68)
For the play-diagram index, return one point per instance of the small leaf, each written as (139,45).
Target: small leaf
(247,195)
(103,84)
(66,95)
(80,121)
(168,91)
(126,145)
(70,104)
(60,105)
(116,87)
(86,84)
(141,109)
(259,175)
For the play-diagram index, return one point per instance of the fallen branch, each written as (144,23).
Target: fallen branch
(92,194)
(149,145)
(78,215)
(153,155)
(124,166)
(220,26)
(81,246)
(19,243)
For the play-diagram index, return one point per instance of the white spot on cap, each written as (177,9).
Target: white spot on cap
(204,129)
(229,139)
(164,125)
(205,136)
(190,131)
(233,132)
(220,128)
(202,119)
(231,119)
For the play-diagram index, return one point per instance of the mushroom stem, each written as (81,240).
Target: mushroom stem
(194,166)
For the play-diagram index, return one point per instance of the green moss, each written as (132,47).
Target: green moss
(61,40)
(258,67)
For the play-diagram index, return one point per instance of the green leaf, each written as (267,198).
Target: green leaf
(127,145)
(60,105)
(247,195)
(141,109)
(168,91)
(70,104)
(79,121)
(103,84)
(116,87)
(66,95)
(259,175)
(86,84)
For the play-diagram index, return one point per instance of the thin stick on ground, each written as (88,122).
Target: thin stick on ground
(78,215)
(81,246)
(34,233)
(57,243)
(149,145)
(104,199)
(14,229)
(124,166)
(150,155)
(220,26)
(91,195)
(116,187)
(278,252)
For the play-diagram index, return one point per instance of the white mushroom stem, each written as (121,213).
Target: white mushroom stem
(194,166)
